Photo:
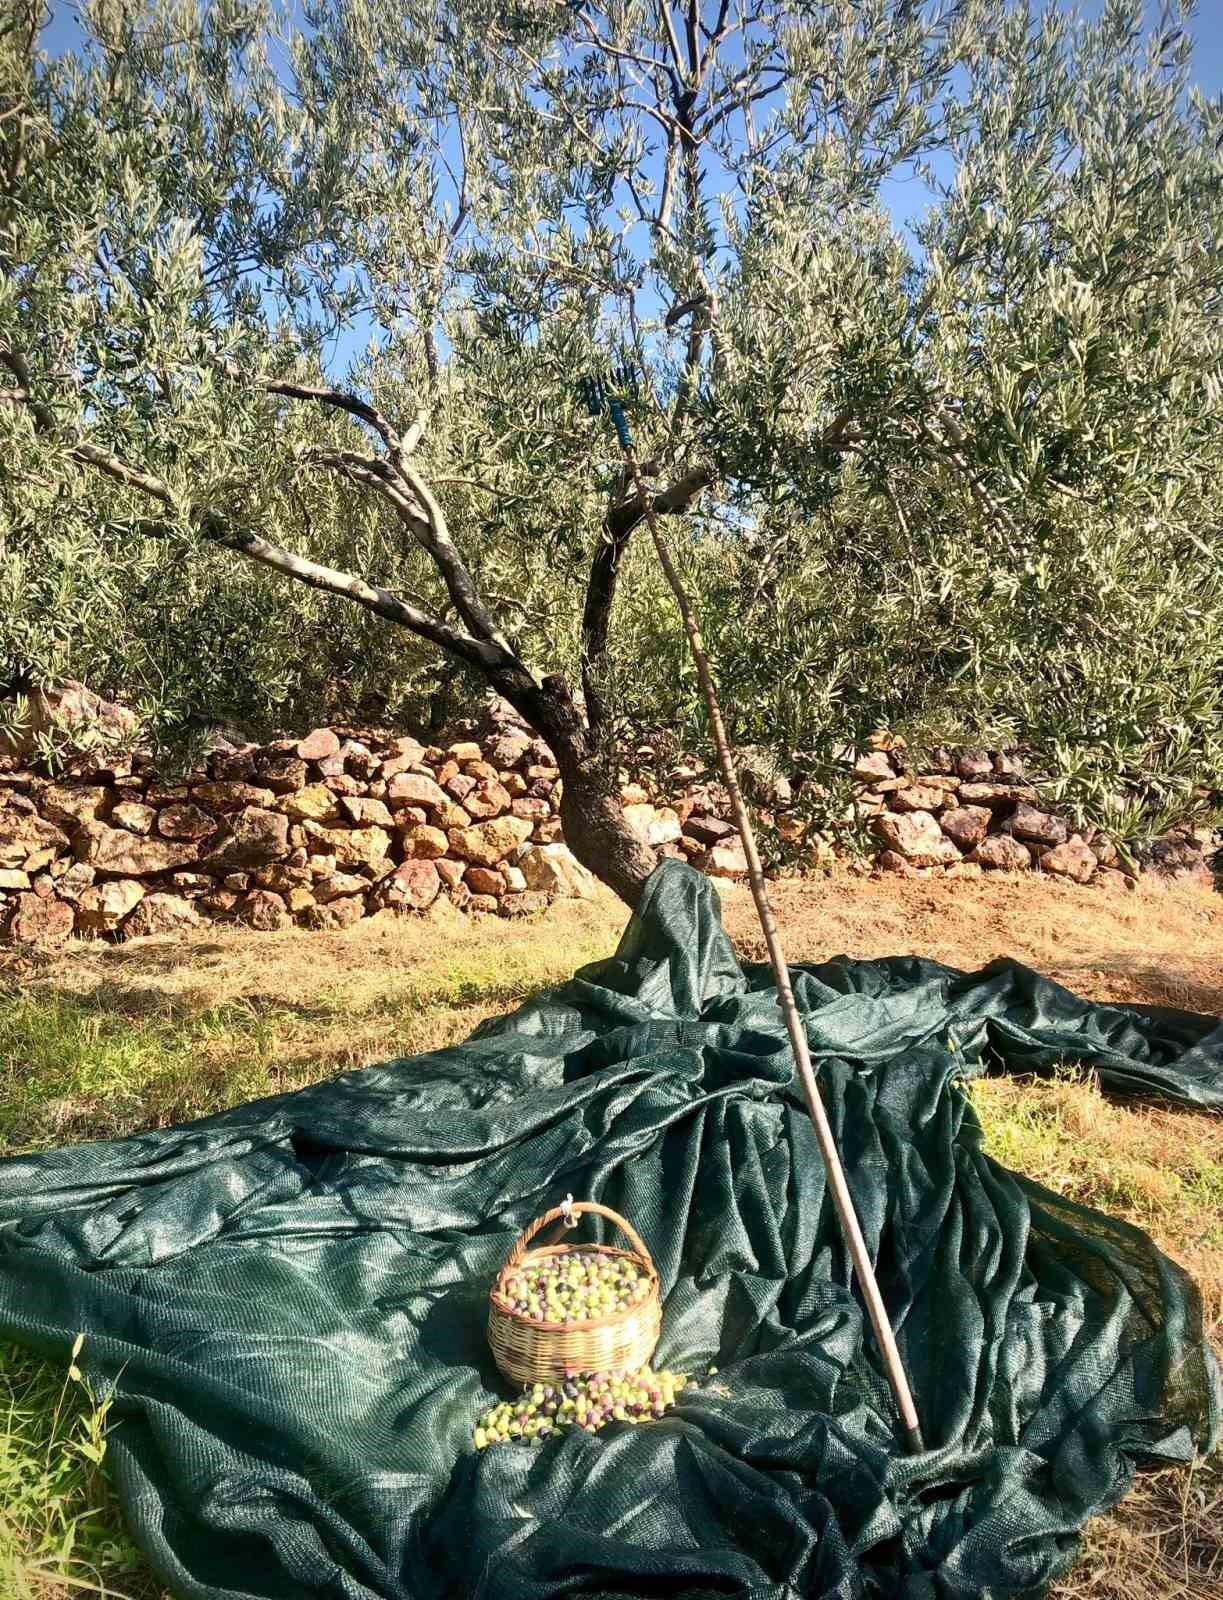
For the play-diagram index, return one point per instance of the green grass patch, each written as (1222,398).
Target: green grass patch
(61,1531)
(73,1067)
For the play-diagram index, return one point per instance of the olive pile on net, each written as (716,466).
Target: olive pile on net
(577,1287)
(586,1400)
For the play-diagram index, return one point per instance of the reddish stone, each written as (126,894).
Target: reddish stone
(1002,853)
(250,839)
(234,766)
(530,807)
(73,803)
(450,872)
(1074,859)
(1038,826)
(893,861)
(424,843)
(412,886)
(708,830)
(103,907)
(365,811)
(726,860)
(974,764)
(452,816)
(484,880)
(917,837)
(1000,797)
(359,758)
(394,765)
(918,797)
(319,744)
(39,921)
(344,784)
(126,855)
(339,886)
(405,746)
(227,796)
(185,822)
(263,910)
(488,800)
(283,773)
(23,835)
(489,843)
(414,789)
(160,913)
(508,749)
(338,914)
(220,903)
(966,825)
(874,764)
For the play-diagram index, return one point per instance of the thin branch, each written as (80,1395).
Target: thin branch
(664,7)
(458,580)
(608,48)
(336,398)
(382,602)
(15,361)
(667,197)
(691,29)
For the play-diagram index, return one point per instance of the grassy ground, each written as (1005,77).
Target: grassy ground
(103,1040)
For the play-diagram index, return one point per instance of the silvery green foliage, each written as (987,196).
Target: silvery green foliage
(966,487)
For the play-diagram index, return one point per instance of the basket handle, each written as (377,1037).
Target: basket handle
(557,1213)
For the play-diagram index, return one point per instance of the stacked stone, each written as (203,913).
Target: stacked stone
(324,830)
(317,831)
(973,812)
(969,813)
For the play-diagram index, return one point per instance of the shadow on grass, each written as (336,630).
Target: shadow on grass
(1166,988)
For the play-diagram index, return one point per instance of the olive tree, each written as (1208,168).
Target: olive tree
(195,202)
(507,196)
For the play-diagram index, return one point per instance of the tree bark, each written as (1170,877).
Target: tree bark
(592,815)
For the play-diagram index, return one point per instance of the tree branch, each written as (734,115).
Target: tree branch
(339,400)
(601,586)
(413,499)
(382,602)
(15,361)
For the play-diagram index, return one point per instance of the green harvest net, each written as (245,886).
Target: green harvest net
(291,1296)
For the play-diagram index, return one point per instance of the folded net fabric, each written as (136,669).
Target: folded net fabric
(291,1296)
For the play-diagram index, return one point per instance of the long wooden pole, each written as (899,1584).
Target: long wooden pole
(841,1196)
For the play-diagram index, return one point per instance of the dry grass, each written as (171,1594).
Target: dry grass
(103,1039)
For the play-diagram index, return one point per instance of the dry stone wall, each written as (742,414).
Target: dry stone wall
(323,830)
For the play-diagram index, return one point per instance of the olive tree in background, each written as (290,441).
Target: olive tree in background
(912,483)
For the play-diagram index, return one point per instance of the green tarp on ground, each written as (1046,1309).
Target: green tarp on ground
(291,1296)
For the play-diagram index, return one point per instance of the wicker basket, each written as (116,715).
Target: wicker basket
(536,1352)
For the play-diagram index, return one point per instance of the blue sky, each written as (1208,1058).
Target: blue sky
(906,198)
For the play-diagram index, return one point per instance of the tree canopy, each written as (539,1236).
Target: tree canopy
(963,481)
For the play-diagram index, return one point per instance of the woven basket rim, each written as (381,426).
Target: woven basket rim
(503,1308)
